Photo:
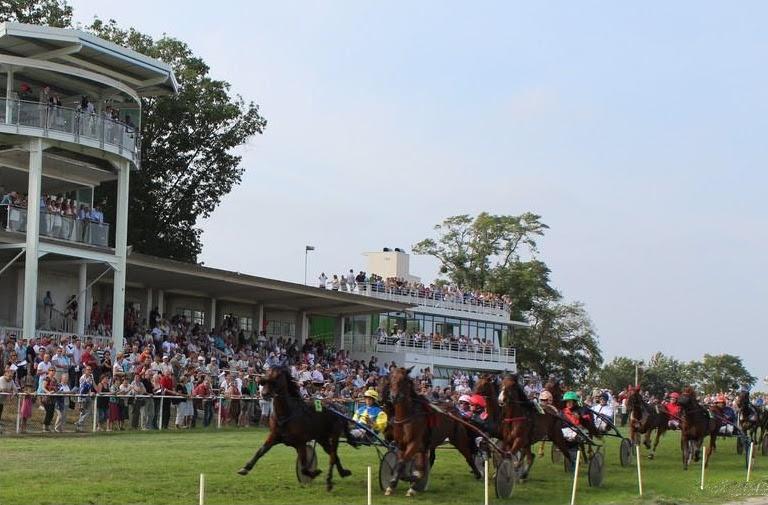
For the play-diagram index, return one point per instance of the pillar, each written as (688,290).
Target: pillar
(8,94)
(33,237)
(213,314)
(338,333)
(19,298)
(260,319)
(302,327)
(149,305)
(82,288)
(121,246)
(161,302)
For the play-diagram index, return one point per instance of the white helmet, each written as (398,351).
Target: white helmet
(464,398)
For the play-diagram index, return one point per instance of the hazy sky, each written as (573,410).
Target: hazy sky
(636,131)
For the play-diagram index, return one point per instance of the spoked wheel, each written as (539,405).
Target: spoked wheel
(497,457)
(479,463)
(311,457)
(570,465)
(596,470)
(557,456)
(690,452)
(387,467)
(625,452)
(504,481)
(421,484)
(764,445)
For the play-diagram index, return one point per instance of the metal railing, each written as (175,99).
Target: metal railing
(28,413)
(59,226)
(469,351)
(55,336)
(427,298)
(78,123)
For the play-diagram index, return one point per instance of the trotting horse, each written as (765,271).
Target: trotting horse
(697,423)
(417,430)
(644,419)
(747,415)
(294,423)
(522,425)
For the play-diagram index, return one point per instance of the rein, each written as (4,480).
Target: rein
(513,420)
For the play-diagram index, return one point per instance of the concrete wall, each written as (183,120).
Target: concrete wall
(390,264)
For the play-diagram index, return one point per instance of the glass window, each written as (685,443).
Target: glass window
(246,323)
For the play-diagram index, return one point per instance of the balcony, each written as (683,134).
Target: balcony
(503,357)
(70,125)
(57,226)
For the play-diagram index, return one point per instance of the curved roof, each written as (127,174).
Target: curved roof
(144,75)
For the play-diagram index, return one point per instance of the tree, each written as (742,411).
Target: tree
(38,12)
(662,375)
(724,372)
(617,374)
(485,253)
(187,160)
(562,341)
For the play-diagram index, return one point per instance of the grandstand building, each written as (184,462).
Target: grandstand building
(70,121)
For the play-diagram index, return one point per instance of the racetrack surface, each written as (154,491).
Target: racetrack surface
(164,467)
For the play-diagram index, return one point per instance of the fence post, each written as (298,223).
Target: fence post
(95,413)
(160,418)
(218,415)
(18,416)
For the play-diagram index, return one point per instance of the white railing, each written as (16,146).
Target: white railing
(59,226)
(78,123)
(445,350)
(55,336)
(427,298)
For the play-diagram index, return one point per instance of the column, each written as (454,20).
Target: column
(260,319)
(82,288)
(149,305)
(121,245)
(338,333)
(161,302)
(302,327)
(19,298)
(8,95)
(213,314)
(33,237)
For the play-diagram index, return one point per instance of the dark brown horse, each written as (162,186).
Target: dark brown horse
(697,424)
(747,415)
(417,429)
(644,419)
(522,425)
(295,423)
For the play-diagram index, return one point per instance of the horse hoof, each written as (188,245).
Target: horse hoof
(650,456)
(243,471)
(410,493)
(345,473)
(388,492)
(417,474)
(328,486)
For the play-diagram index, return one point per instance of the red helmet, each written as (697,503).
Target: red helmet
(674,394)
(477,400)
(720,398)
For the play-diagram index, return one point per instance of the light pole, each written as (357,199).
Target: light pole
(306,260)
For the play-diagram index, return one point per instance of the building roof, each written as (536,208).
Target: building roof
(74,48)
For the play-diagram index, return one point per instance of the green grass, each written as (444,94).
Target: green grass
(164,468)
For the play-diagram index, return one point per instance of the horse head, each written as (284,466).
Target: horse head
(511,392)
(486,387)
(401,386)
(278,382)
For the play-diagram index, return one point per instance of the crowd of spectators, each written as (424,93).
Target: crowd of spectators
(420,340)
(435,291)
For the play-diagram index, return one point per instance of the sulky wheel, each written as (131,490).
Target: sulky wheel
(311,456)
(504,481)
(479,463)
(387,467)
(596,469)
(421,484)
(625,452)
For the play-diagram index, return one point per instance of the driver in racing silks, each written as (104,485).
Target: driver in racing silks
(603,405)
(370,414)
(726,413)
(570,413)
(673,408)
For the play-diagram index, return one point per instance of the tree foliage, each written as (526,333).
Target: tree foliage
(618,373)
(188,140)
(38,12)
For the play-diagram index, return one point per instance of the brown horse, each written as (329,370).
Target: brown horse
(747,415)
(417,429)
(522,425)
(697,423)
(644,419)
(294,423)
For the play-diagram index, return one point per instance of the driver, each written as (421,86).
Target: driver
(673,408)
(463,406)
(602,405)
(370,414)
(727,414)
(571,414)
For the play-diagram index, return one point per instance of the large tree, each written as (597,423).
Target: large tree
(617,374)
(39,12)
(498,254)
(722,372)
(187,152)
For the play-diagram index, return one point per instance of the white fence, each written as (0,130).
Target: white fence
(445,350)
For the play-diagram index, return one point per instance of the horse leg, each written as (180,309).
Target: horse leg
(647,438)
(659,432)
(464,444)
(265,447)
(419,463)
(684,450)
(711,448)
(541,449)
(399,467)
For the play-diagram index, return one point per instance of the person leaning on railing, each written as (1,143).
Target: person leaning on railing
(8,389)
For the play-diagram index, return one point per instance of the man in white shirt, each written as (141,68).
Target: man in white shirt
(603,405)
(321,281)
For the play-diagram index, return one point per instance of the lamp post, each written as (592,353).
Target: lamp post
(306,260)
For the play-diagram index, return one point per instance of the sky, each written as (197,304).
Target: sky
(637,132)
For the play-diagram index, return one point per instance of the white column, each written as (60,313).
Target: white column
(338,330)
(149,304)
(161,302)
(19,297)
(33,237)
(82,287)
(213,314)
(260,320)
(302,327)
(8,95)
(121,245)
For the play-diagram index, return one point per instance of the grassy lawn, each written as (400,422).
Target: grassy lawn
(163,468)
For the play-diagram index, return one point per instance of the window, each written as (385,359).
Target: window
(246,323)
(193,316)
